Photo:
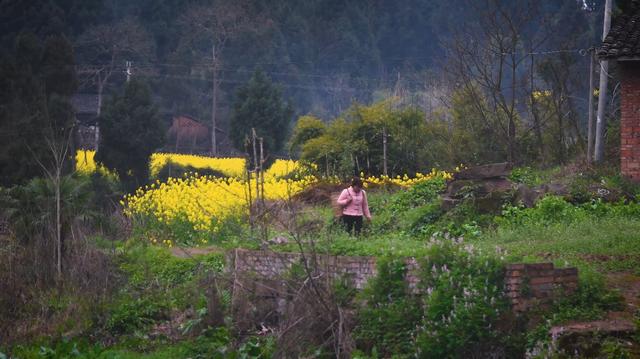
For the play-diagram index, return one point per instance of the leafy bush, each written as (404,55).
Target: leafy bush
(398,210)
(420,220)
(456,314)
(554,209)
(212,344)
(591,301)
(464,301)
(65,348)
(550,209)
(525,175)
(132,314)
(176,170)
(388,322)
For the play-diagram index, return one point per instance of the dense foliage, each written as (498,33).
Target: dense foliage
(354,142)
(259,105)
(131,131)
(37,79)
(383,87)
(457,314)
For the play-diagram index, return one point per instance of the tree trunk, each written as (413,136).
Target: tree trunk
(58,225)
(98,112)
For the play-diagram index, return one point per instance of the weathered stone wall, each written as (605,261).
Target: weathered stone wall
(525,284)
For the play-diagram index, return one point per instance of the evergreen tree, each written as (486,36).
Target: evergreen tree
(36,83)
(259,105)
(131,130)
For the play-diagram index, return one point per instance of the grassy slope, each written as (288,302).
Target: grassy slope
(610,244)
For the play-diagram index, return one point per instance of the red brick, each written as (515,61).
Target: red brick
(513,274)
(541,280)
(513,280)
(515,266)
(539,266)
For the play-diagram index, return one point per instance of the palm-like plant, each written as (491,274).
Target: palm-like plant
(31,211)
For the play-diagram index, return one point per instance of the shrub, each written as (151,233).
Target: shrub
(176,170)
(550,209)
(388,322)
(525,175)
(591,301)
(457,313)
(420,220)
(463,303)
(131,314)
(401,208)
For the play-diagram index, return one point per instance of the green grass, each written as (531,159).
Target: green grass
(608,244)
(216,344)
(594,236)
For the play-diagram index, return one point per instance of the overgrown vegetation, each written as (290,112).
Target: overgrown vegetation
(157,304)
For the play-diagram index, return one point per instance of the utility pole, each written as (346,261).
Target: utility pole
(384,151)
(214,102)
(602,88)
(128,65)
(254,138)
(264,229)
(590,124)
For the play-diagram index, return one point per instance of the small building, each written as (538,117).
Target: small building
(186,135)
(622,44)
(86,110)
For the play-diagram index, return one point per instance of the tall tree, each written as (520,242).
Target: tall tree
(36,82)
(215,25)
(104,49)
(259,105)
(131,131)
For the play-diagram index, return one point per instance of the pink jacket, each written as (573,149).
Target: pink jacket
(355,204)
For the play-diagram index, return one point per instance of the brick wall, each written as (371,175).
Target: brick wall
(527,285)
(630,121)
(536,285)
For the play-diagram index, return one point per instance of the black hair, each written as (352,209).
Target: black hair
(356,181)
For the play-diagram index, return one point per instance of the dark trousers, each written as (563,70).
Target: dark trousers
(352,223)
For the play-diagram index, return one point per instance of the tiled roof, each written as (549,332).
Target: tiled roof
(623,40)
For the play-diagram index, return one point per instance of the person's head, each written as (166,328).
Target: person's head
(356,184)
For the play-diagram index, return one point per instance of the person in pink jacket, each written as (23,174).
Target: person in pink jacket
(353,201)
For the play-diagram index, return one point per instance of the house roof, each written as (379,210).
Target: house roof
(623,40)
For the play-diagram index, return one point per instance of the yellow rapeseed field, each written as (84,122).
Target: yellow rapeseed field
(281,168)
(231,167)
(202,203)
(85,163)
(404,181)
